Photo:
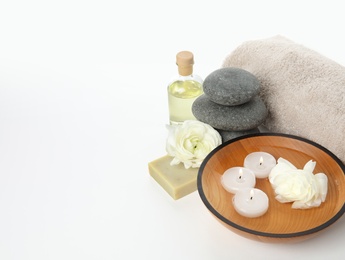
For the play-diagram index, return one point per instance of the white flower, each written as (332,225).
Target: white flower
(190,142)
(299,186)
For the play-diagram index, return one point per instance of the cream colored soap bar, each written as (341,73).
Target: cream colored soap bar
(175,179)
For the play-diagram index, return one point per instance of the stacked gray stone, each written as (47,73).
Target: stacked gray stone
(231,103)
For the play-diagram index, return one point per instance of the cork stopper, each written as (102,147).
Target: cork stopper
(185,61)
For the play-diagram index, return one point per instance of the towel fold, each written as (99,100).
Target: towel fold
(303,90)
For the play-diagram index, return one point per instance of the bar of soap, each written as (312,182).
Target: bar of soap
(174,179)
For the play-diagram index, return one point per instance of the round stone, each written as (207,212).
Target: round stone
(231,86)
(231,118)
(228,135)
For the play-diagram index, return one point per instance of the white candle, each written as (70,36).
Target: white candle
(236,178)
(250,202)
(261,163)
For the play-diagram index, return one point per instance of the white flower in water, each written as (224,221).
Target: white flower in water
(299,186)
(190,142)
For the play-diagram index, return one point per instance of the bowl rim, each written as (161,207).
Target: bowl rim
(259,233)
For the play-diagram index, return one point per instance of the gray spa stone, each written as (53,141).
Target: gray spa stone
(231,118)
(228,135)
(231,86)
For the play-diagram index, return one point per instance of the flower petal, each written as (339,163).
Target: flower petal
(309,166)
(323,185)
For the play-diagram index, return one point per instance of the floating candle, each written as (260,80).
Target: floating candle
(250,202)
(236,178)
(261,163)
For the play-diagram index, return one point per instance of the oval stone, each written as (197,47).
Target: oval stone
(231,118)
(231,86)
(229,135)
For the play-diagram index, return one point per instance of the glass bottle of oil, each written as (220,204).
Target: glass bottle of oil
(183,90)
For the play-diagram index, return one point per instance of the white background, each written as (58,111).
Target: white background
(83,109)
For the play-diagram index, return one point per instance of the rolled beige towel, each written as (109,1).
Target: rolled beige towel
(303,90)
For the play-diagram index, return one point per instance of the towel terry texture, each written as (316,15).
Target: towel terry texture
(302,89)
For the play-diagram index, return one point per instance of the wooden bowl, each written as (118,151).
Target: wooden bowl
(280,223)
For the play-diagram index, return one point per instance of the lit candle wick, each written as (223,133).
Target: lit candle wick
(240,173)
(251,194)
(261,160)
